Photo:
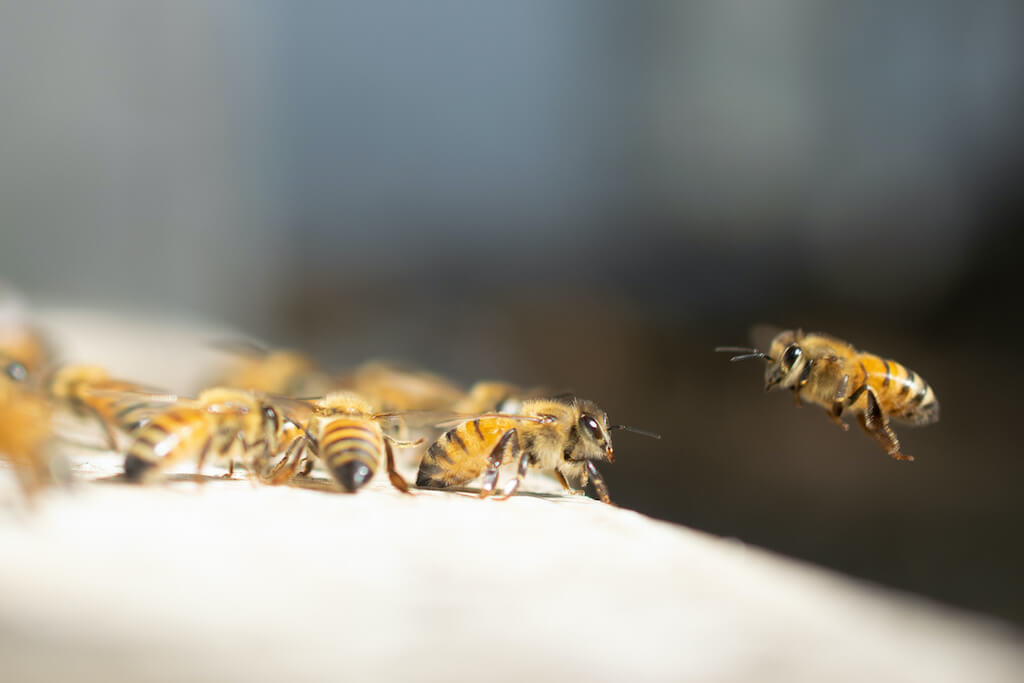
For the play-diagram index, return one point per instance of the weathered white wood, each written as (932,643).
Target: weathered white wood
(226,581)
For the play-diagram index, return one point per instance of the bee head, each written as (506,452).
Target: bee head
(589,437)
(786,361)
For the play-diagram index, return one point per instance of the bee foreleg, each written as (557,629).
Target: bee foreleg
(599,484)
(524,464)
(875,423)
(495,459)
(396,479)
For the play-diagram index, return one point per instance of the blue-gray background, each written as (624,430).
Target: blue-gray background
(587,195)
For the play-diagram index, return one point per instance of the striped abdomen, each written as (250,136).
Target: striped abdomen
(460,455)
(119,404)
(902,394)
(350,449)
(168,438)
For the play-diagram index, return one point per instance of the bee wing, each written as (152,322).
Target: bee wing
(140,395)
(239,346)
(455,422)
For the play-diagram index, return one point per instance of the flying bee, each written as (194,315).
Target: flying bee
(833,374)
(279,372)
(24,429)
(347,437)
(566,437)
(221,422)
(119,406)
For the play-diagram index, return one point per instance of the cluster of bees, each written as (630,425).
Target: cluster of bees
(279,415)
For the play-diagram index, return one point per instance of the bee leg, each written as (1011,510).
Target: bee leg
(796,397)
(565,485)
(203,452)
(495,459)
(108,431)
(602,488)
(524,464)
(875,423)
(836,411)
(396,479)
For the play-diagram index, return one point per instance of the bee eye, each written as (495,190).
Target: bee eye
(792,354)
(16,371)
(270,414)
(590,425)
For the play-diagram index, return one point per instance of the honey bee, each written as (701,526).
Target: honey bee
(24,429)
(566,437)
(221,422)
(117,405)
(346,436)
(397,389)
(493,397)
(833,374)
(19,339)
(279,372)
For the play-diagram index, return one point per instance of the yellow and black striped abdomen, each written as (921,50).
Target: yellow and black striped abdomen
(902,394)
(168,438)
(119,404)
(350,449)
(460,455)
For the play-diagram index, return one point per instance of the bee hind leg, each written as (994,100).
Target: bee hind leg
(875,423)
(495,459)
(396,479)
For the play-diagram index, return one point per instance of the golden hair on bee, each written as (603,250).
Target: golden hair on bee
(118,406)
(24,429)
(393,388)
(346,435)
(222,422)
(831,373)
(20,339)
(566,437)
(279,372)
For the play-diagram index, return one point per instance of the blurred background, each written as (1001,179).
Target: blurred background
(587,195)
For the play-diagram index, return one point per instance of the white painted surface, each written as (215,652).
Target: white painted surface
(226,581)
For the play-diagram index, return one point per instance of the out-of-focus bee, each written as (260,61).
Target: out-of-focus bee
(119,406)
(279,372)
(833,374)
(348,440)
(396,389)
(24,428)
(566,437)
(222,422)
(493,397)
(19,339)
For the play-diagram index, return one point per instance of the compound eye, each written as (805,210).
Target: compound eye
(791,356)
(16,371)
(590,425)
(271,415)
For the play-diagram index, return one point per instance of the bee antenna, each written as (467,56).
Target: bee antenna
(642,432)
(745,353)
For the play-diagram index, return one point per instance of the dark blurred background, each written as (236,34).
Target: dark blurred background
(588,195)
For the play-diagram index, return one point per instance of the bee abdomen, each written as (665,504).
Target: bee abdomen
(351,454)
(136,468)
(431,473)
(904,394)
